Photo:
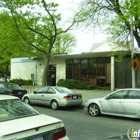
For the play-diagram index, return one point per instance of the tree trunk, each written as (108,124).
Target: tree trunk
(45,72)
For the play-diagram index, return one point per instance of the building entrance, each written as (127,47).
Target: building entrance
(51,77)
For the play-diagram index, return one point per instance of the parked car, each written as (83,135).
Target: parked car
(54,96)
(12,89)
(123,102)
(19,121)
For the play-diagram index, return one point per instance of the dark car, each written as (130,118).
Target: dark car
(12,89)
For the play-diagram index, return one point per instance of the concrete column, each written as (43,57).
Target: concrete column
(112,73)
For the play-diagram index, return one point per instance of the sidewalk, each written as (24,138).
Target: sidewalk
(89,94)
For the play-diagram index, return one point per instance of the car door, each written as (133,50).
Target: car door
(49,95)
(38,96)
(113,104)
(132,103)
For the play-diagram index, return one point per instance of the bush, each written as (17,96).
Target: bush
(82,85)
(24,81)
(69,83)
(77,84)
(91,87)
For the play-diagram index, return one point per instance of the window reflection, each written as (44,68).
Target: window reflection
(93,70)
(14,109)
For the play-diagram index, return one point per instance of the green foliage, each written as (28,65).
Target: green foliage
(77,84)
(64,43)
(81,85)
(38,25)
(69,83)
(114,18)
(11,44)
(91,87)
(23,81)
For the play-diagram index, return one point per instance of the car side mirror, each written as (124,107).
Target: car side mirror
(107,97)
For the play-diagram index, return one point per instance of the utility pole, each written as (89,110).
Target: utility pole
(132,47)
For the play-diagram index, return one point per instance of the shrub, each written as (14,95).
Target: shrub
(91,87)
(69,83)
(24,81)
(77,84)
(73,84)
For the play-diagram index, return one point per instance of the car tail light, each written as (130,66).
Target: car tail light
(80,96)
(14,92)
(66,97)
(59,134)
(18,91)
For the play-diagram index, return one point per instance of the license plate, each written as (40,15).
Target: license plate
(20,93)
(74,97)
(37,138)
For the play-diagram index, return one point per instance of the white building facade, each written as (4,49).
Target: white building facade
(27,67)
(96,67)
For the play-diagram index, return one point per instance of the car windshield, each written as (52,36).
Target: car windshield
(14,108)
(64,90)
(12,86)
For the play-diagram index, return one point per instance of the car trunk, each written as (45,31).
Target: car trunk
(39,127)
(18,92)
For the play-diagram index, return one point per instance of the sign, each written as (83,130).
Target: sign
(134,62)
(32,76)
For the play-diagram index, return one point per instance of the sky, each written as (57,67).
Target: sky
(85,39)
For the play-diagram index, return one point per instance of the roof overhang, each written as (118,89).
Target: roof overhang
(83,55)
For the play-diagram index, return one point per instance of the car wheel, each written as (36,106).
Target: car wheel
(94,110)
(27,100)
(54,105)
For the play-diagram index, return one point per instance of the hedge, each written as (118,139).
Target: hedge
(23,81)
(77,84)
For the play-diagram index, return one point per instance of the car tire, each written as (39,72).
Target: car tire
(54,105)
(27,100)
(94,110)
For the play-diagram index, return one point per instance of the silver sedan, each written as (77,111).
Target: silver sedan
(123,102)
(53,96)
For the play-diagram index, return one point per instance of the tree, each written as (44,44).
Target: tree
(114,17)
(64,43)
(11,44)
(37,22)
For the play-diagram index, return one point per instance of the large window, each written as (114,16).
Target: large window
(69,68)
(84,69)
(92,70)
(76,69)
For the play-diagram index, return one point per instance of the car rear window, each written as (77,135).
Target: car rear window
(14,108)
(2,86)
(12,86)
(64,90)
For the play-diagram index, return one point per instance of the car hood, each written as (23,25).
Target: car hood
(27,123)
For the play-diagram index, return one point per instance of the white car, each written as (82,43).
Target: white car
(123,102)
(54,96)
(19,121)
